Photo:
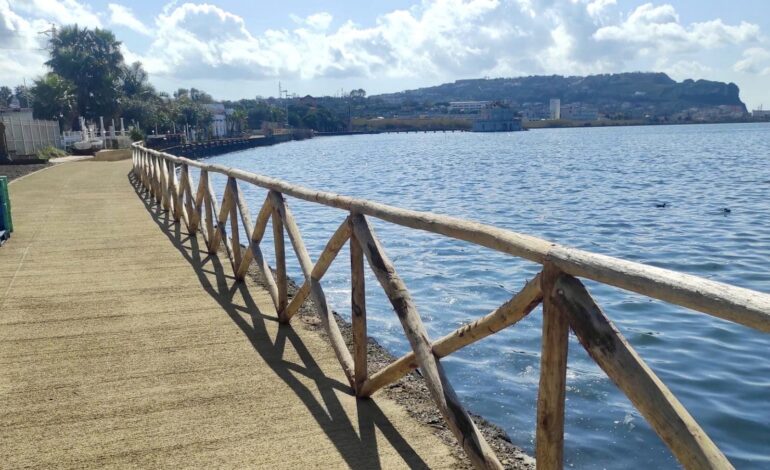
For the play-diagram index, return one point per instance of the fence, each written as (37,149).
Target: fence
(24,137)
(567,304)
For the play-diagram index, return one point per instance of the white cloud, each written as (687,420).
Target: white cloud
(651,29)
(318,21)
(22,54)
(596,8)
(435,40)
(123,16)
(756,60)
(59,11)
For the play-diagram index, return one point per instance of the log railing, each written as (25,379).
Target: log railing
(567,305)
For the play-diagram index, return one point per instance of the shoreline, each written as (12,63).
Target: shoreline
(410,392)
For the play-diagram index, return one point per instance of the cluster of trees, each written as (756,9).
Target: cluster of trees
(88,77)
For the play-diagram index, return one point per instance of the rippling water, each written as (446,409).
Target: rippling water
(595,189)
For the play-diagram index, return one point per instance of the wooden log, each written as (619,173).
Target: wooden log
(519,306)
(607,346)
(280,266)
(187,198)
(164,184)
(316,292)
(208,208)
(333,247)
(177,191)
(157,181)
(549,438)
(220,234)
(197,201)
(744,306)
(457,419)
(358,314)
(235,236)
(254,251)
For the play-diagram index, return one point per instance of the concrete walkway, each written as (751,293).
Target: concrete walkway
(123,346)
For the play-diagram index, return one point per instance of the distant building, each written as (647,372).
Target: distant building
(467,106)
(555,108)
(761,113)
(579,112)
(497,119)
(218,119)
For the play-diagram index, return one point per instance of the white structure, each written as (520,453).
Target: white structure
(467,106)
(218,119)
(760,113)
(26,137)
(555,108)
(578,112)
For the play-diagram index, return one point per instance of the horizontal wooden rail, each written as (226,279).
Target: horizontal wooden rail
(736,304)
(567,306)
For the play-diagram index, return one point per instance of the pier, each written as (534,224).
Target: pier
(129,309)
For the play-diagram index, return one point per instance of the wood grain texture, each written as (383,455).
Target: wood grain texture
(607,346)
(519,306)
(549,437)
(457,419)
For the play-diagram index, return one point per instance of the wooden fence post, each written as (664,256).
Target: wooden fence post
(549,440)
(358,313)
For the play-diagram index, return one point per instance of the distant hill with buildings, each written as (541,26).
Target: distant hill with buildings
(615,96)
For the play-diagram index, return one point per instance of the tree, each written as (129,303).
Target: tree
(133,82)
(5,95)
(92,61)
(358,94)
(24,95)
(54,98)
(237,120)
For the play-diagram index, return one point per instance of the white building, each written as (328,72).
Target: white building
(467,106)
(555,108)
(578,112)
(218,120)
(761,113)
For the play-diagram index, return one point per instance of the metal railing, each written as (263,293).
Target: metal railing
(567,304)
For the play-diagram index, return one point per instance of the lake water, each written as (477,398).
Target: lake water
(595,189)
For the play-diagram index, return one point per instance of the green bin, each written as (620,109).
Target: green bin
(6,222)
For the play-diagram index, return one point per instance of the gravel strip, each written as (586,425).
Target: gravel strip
(13,171)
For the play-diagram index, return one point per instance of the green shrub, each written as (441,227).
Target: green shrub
(49,152)
(136,135)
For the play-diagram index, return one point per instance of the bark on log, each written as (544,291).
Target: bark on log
(732,303)
(519,306)
(316,292)
(549,439)
(457,419)
(607,346)
(333,247)
(358,313)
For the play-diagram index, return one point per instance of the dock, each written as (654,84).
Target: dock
(125,345)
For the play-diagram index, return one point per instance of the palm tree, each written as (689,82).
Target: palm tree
(92,61)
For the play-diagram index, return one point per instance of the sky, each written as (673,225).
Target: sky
(242,49)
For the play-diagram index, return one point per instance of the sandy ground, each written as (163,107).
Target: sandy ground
(121,345)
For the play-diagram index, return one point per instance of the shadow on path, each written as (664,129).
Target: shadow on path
(358,450)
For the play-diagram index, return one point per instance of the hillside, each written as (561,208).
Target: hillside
(654,93)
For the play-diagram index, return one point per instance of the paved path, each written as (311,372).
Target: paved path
(122,346)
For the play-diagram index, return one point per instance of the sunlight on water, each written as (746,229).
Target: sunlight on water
(595,189)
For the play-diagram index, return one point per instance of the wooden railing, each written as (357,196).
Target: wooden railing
(566,302)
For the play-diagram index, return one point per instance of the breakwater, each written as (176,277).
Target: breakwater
(211,148)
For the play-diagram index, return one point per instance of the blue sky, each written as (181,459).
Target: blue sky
(236,49)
